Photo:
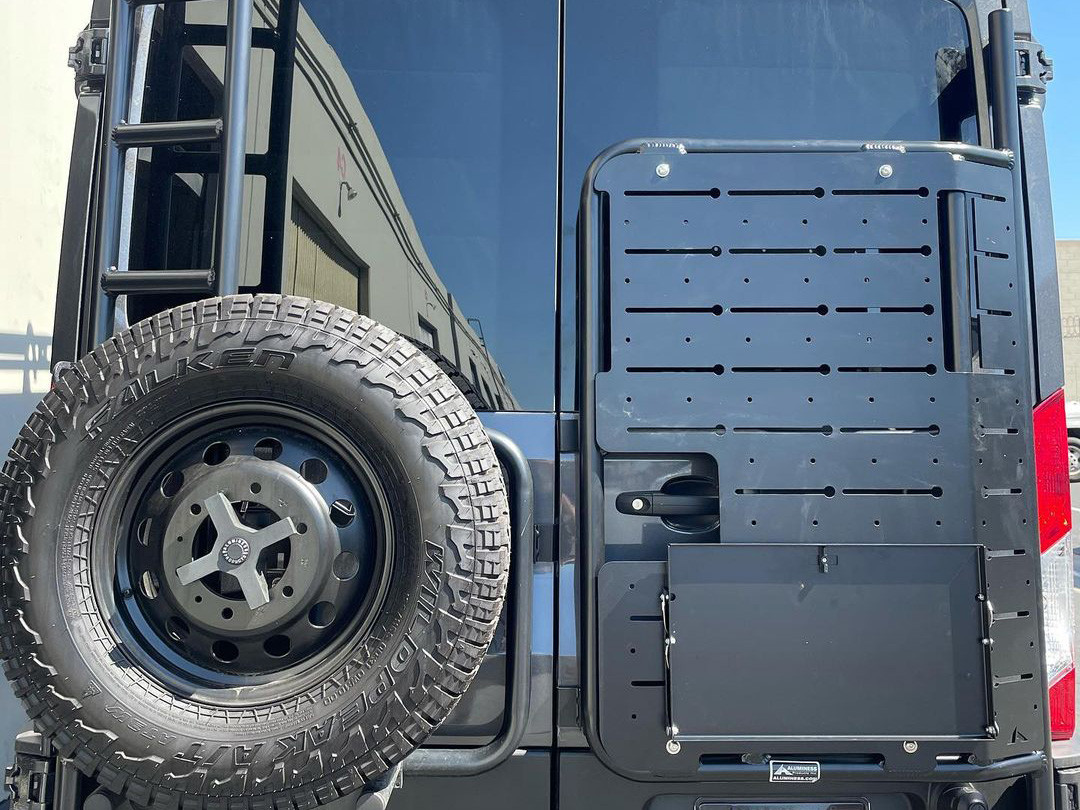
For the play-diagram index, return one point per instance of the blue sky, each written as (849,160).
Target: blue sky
(1056,24)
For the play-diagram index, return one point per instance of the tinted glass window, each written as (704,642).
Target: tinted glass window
(422,155)
(761,70)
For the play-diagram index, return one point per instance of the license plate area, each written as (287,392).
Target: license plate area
(787,641)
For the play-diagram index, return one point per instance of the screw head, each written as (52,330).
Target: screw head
(663,170)
(885,170)
(910,746)
(672,747)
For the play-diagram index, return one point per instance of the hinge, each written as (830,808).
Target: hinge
(672,746)
(1034,69)
(30,779)
(90,53)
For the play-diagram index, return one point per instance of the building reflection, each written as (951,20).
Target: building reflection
(348,236)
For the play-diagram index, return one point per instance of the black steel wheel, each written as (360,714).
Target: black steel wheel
(249,550)
(254,549)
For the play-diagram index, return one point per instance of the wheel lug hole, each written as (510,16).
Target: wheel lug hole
(171,483)
(226,613)
(301,528)
(314,470)
(287,591)
(216,453)
(322,614)
(342,513)
(268,449)
(277,646)
(256,488)
(224,651)
(346,566)
(177,628)
(196,509)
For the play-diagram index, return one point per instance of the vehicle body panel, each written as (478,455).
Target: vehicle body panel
(358,222)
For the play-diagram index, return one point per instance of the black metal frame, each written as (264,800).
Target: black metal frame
(118,136)
(472,761)
(232,163)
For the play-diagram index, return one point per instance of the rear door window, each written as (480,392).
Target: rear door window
(423,176)
(756,70)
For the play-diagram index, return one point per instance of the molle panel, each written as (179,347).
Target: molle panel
(783,313)
(842,349)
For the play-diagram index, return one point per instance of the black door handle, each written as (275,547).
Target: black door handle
(664,504)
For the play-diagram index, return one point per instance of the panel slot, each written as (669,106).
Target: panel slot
(715,250)
(676,369)
(822,369)
(927,369)
(882,192)
(824,430)
(828,492)
(925,309)
(818,250)
(719,430)
(935,492)
(922,250)
(818,192)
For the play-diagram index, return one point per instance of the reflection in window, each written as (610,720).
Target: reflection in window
(423,141)
(429,335)
(318,265)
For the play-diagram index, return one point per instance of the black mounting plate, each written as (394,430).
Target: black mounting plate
(836,335)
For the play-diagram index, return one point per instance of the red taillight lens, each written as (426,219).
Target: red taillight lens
(1055,542)
(1063,706)
(1052,469)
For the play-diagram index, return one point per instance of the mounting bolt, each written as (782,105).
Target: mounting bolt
(673,747)
(885,170)
(663,170)
(910,746)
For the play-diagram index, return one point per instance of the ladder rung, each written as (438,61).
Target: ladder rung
(205,34)
(134,282)
(167,133)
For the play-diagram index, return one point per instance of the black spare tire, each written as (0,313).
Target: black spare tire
(254,550)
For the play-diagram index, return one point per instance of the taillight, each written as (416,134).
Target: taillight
(1055,542)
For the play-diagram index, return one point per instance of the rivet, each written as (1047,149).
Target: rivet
(885,170)
(663,170)
(910,746)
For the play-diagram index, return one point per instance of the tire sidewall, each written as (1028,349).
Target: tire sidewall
(385,691)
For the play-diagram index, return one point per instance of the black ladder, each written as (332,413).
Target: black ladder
(118,136)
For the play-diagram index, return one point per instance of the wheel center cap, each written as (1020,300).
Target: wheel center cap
(235,550)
